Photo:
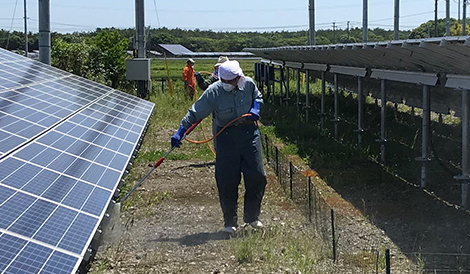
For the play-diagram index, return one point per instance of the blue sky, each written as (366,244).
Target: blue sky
(240,15)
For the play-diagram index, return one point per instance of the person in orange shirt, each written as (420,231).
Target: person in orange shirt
(189,78)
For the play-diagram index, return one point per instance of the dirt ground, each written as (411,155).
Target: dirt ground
(173,224)
(182,233)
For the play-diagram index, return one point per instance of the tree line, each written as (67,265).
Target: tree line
(206,40)
(101,55)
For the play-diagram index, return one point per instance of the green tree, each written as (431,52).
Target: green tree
(71,57)
(322,40)
(108,57)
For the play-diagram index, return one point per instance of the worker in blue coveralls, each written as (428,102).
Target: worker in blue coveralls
(238,147)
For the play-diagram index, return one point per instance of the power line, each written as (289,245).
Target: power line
(156,12)
(403,16)
(11,26)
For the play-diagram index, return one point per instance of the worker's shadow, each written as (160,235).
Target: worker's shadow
(201,165)
(197,239)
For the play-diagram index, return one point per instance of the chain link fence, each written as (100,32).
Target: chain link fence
(364,251)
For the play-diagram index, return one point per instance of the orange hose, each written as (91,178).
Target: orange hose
(203,132)
(206,72)
(205,138)
(218,133)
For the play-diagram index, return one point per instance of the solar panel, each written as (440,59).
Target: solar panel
(176,49)
(65,143)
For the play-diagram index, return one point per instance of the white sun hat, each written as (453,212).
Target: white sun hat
(230,70)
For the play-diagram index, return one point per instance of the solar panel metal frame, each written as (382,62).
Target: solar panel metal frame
(107,107)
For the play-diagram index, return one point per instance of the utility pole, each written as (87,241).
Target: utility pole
(25,31)
(435,18)
(464,18)
(334,32)
(396,20)
(44,32)
(311,31)
(364,21)
(139,26)
(348,31)
(458,15)
(140,38)
(447,17)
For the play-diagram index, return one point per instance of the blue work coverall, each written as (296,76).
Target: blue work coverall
(238,148)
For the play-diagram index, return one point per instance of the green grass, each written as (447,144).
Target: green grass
(175,66)
(277,248)
(169,110)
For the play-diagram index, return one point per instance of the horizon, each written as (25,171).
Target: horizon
(248,16)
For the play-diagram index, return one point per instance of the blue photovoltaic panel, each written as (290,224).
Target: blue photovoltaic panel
(22,256)
(176,49)
(65,143)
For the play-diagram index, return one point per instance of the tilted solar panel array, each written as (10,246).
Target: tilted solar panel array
(65,143)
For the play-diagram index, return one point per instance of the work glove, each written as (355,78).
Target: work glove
(176,139)
(254,111)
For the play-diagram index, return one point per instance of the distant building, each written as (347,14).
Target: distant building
(176,50)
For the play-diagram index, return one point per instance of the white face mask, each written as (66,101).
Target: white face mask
(227,86)
(241,83)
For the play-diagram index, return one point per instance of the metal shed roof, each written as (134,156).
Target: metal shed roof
(176,49)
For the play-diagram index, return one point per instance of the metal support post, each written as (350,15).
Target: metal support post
(322,104)
(464,18)
(265,81)
(140,38)
(307,93)
(259,67)
(291,167)
(267,148)
(364,21)
(277,161)
(333,233)
(287,85)
(298,90)
(465,178)
(281,86)
(425,136)
(44,32)
(25,31)
(273,80)
(309,199)
(360,109)
(387,261)
(447,17)
(396,20)
(336,120)
(383,109)
(435,17)
(311,30)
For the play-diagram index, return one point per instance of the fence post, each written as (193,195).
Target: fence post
(377,262)
(267,148)
(317,210)
(387,261)
(333,233)
(310,199)
(290,180)
(277,162)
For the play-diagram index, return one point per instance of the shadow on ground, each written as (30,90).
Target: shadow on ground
(196,239)
(418,221)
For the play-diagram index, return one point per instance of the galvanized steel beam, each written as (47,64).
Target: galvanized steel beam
(336,120)
(428,79)
(458,81)
(352,71)
(465,178)
(322,103)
